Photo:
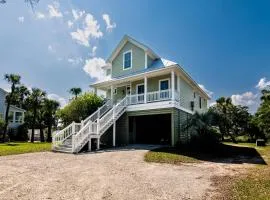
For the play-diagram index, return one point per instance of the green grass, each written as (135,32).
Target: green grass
(23,147)
(168,155)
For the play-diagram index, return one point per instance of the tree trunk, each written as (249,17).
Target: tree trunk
(41,134)
(6,121)
(49,136)
(33,126)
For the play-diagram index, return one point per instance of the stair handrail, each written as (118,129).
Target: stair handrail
(60,136)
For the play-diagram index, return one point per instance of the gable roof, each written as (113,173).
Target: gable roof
(4,91)
(126,39)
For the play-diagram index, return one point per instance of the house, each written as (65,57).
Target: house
(16,115)
(149,100)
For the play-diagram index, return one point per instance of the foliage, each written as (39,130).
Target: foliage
(23,147)
(19,134)
(14,80)
(262,117)
(80,108)
(34,104)
(231,120)
(75,91)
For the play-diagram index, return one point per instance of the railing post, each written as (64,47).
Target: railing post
(73,128)
(73,143)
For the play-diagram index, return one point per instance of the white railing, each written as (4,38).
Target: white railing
(161,95)
(136,98)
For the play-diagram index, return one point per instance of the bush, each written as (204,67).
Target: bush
(19,134)
(2,125)
(205,142)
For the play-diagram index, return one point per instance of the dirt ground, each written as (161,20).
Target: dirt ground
(117,174)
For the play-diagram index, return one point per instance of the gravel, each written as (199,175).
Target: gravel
(116,174)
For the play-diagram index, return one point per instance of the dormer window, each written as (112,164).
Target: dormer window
(127,60)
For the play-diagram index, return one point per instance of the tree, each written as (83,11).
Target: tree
(14,80)
(80,108)
(34,103)
(75,91)
(20,95)
(50,107)
(262,116)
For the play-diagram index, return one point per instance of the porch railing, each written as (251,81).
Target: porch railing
(162,95)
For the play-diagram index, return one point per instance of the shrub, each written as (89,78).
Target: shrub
(19,134)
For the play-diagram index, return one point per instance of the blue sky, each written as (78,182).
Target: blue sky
(224,45)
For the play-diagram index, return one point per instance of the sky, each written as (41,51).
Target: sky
(223,45)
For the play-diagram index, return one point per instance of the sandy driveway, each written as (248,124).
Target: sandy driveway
(120,174)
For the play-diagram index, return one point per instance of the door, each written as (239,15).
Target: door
(164,89)
(140,93)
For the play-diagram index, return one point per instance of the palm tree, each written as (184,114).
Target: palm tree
(14,80)
(22,92)
(75,91)
(50,107)
(34,102)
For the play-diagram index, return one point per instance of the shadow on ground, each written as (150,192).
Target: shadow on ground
(222,154)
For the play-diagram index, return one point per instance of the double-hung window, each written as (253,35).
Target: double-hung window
(127,60)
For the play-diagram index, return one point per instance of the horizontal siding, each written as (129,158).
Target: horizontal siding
(150,112)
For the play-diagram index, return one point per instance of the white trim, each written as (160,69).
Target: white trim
(145,60)
(165,79)
(129,51)
(139,85)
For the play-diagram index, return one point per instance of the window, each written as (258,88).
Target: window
(164,84)
(127,60)
(200,102)
(194,95)
(18,117)
(10,116)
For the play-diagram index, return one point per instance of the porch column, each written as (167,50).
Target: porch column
(14,113)
(178,84)
(173,84)
(22,117)
(145,89)
(114,127)
(112,93)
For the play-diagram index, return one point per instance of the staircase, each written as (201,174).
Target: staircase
(76,135)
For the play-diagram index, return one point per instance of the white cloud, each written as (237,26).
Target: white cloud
(91,29)
(245,99)
(40,15)
(94,49)
(56,97)
(75,61)
(77,14)
(51,49)
(69,23)
(210,93)
(109,24)
(262,84)
(93,68)
(21,19)
(54,10)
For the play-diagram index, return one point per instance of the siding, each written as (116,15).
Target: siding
(186,94)
(138,60)
(122,134)
(149,61)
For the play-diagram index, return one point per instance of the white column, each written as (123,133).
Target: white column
(145,60)
(145,89)
(178,84)
(14,113)
(89,144)
(173,84)
(112,93)
(98,143)
(114,127)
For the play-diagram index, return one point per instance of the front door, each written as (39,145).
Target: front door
(164,89)
(140,93)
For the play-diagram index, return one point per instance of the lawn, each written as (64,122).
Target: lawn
(253,184)
(23,147)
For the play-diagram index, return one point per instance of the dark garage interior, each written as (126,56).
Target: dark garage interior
(150,129)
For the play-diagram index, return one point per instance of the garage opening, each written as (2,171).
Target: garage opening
(150,129)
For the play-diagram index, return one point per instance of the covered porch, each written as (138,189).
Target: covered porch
(146,89)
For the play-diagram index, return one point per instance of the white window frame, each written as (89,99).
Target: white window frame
(129,51)
(166,79)
(138,86)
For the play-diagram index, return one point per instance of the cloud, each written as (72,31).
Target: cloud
(94,49)
(109,24)
(54,10)
(40,15)
(91,29)
(245,99)
(210,93)
(75,61)
(69,23)
(51,49)
(21,19)
(77,14)
(93,68)
(262,84)
(61,100)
